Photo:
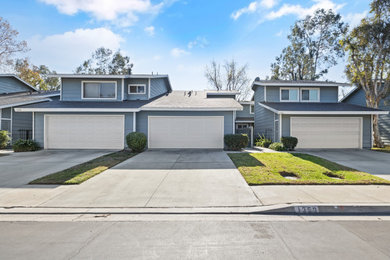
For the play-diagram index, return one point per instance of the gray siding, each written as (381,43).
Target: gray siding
(39,124)
(71,89)
(6,112)
(264,119)
(366,126)
(136,96)
(11,84)
(158,87)
(327,94)
(142,118)
(245,112)
(359,98)
(21,121)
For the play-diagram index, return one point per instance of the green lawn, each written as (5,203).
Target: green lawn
(386,149)
(82,172)
(269,168)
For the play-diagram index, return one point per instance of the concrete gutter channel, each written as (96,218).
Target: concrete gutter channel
(290,209)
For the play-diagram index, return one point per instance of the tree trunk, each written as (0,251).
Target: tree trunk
(377,138)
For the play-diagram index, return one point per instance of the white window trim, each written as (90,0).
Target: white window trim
(97,81)
(318,94)
(250,109)
(280,95)
(129,85)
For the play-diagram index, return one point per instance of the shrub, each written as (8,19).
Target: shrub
(22,145)
(277,146)
(236,142)
(136,141)
(262,141)
(289,142)
(4,139)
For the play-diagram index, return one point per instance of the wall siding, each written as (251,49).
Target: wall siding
(11,85)
(136,96)
(366,126)
(327,94)
(158,87)
(264,119)
(39,124)
(71,89)
(245,112)
(20,121)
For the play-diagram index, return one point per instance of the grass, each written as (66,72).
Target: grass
(385,149)
(82,172)
(269,168)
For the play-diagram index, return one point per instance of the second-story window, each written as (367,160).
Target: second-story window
(99,90)
(289,94)
(137,89)
(252,109)
(310,95)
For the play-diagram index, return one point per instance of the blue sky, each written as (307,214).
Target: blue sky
(175,37)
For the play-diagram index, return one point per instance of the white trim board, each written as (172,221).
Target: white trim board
(136,85)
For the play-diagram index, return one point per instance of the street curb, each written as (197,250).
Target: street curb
(329,210)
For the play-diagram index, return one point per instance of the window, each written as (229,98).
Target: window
(99,90)
(289,94)
(137,89)
(252,109)
(242,126)
(310,95)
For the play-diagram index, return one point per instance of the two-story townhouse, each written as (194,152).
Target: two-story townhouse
(98,111)
(310,111)
(357,96)
(15,92)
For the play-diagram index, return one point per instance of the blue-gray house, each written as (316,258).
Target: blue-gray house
(98,111)
(15,92)
(310,111)
(358,97)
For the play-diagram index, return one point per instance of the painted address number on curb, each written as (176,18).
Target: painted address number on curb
(306,209)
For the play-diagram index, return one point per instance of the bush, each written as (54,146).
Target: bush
(236,142)
(262,141)
(289,142)
(4,139)
(136,141)
(277,146)
(22,145)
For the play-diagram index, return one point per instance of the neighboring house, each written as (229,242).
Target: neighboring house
(310,111)
(358,97)
(98,111)
(245,120)
(15,92)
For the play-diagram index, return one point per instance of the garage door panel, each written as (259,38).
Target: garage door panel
(327,132)
(186,132)
(84,132)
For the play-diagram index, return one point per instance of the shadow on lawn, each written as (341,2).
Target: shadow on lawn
(331,166)
(245,160)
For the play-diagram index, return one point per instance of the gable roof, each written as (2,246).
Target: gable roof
(350,93)
(17,78)
(292,83)
(295,108)
(24,98)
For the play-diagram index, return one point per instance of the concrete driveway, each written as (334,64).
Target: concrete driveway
(18,169)
(169,178)
(376,163)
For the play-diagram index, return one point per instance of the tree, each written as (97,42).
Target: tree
(314,47)
(9,45)
(368,65)
(105,61)
(234,77)
(36,76)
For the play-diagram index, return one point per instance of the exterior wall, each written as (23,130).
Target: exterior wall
(11,85)
(128,96)
(71,89)
(245,112)
(359,98)
(366,126)
(21,121)
(142,118)
(264,119)
(158,87)
(39,124)
(327,94)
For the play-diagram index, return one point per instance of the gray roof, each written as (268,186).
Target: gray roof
(23,98)
(303,83)
(313,108)
(197,100)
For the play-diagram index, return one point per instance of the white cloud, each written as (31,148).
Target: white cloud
(353,19)
(253,7)
(200,42)
(301,12)
(149,30)
(177,52)
(121,12)
(64,52)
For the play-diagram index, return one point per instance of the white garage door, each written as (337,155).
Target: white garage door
(327,132)
(84,132)
(186,132)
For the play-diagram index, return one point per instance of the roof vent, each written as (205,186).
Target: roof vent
(189,93)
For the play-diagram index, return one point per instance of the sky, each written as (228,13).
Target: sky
(174,37)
